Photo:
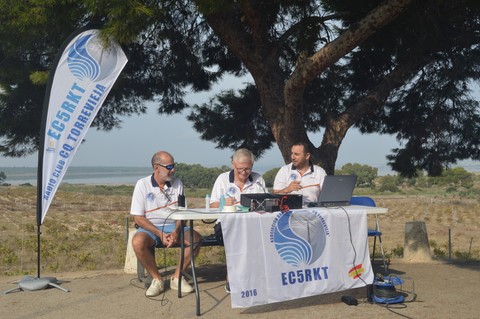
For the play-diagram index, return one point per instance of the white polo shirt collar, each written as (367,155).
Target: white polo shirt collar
(309,162)
(155,184)
(231,177)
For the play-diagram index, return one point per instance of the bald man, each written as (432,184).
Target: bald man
(152,199)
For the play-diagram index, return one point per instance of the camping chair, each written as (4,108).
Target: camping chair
(367,201)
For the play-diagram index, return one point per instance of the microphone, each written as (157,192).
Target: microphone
(181,201)
(166,195)
(261,186)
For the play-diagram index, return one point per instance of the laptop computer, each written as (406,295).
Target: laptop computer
(337,190)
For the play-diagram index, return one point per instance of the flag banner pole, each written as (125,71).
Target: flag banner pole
(82,79)
(83,73)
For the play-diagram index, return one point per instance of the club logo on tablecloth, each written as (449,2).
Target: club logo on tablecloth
(299,237)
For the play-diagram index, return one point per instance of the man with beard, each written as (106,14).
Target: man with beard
(301,176)
(152,197)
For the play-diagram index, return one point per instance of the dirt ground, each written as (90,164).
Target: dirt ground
(442,290)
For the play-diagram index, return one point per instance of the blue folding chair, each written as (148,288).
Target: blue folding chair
(368,201)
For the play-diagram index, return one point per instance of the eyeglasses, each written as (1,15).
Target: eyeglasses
(243,170)
(169,167)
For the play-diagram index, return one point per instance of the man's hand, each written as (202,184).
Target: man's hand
(175,236)
(167,239)
(229,201)
(294,186)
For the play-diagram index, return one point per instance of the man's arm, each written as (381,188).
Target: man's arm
(216,193)
(281,183)
(293,186)
(175,235)
(143,222)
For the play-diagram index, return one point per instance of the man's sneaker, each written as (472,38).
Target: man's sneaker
(227,287)
(156,287)
(185,286)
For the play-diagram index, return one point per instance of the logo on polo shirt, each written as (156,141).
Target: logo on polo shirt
(300,237)
(150,197)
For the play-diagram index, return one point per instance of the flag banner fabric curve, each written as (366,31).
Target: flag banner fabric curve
(82,79)
(283,256)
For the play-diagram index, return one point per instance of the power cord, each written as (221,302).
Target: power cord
(164,300)
(354,261)
(164,248)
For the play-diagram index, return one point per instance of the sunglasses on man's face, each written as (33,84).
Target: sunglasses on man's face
(169,167)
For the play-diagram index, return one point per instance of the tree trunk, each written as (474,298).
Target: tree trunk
(282,99)
(310,67)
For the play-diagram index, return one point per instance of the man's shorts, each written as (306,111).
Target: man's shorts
(166,229)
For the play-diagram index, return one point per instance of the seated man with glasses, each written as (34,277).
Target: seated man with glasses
(240,180)
(152,197)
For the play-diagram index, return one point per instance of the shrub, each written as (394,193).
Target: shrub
(365,174)
(388,185)
(269,176)
(438,252)
(451,189)
(397,251)
(8,255)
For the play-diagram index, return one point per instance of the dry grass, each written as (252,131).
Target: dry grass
(441,215)
(85,228)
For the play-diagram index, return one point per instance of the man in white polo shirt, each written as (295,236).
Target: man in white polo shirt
(240,180)
(152,197)
(300,176)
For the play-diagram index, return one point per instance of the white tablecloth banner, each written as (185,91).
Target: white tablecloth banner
(278,256)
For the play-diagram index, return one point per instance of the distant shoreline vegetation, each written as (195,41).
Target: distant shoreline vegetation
(79,175)
(192,175)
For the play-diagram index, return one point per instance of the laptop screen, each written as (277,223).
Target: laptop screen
(337,190)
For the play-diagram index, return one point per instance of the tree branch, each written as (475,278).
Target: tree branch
(248,45)
(308,21)
(309,68)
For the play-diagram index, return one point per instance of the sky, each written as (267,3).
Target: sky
(140,136)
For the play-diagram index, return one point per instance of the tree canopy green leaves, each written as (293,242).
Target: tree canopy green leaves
(402,67)
(365,174)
